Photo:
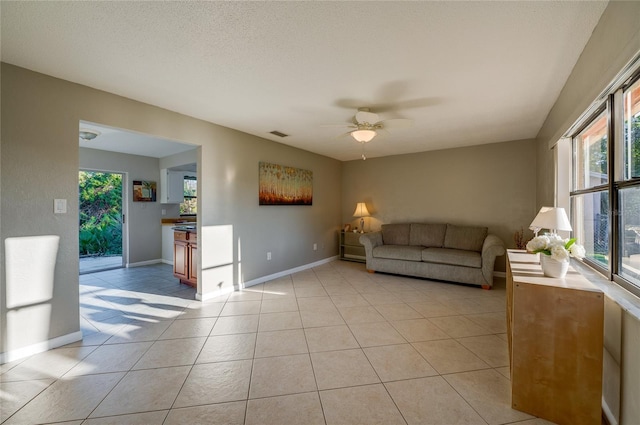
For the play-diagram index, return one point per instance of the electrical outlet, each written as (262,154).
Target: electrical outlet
(315,246)
(268,256)
(164,212)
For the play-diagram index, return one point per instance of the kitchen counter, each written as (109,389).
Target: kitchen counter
(185,228)
(178,220)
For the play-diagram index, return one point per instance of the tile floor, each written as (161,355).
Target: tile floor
(331,345)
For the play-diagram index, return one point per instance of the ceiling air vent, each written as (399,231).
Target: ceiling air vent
(278,133)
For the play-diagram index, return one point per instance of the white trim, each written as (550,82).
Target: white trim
(167,262)
(608,414)
(618,81)
(288,272)
(144,263)
(500,274)
(211,295)
(40,347)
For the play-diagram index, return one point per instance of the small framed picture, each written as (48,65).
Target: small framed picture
(144,191)
(347,227)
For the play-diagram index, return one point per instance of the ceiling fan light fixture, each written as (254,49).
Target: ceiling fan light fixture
(88,135)
(363,136)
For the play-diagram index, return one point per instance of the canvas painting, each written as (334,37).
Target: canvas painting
(282,185)
(144,191)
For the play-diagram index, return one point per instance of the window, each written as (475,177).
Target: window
(632,132)
(605,198)
(591,158)
(630,239)
(591,225)
(629,193)
(190,204)
(590,196)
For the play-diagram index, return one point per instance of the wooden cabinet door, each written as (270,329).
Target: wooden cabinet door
(180,259)
(193,263)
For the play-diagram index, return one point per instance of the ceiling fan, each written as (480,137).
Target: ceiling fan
(367,124)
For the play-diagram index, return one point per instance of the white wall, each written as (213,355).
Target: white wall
(144,241)
(40,162)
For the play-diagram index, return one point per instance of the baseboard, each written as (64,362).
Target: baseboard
(169,262)
(211,295)
(500,274)
(144,263)
(608,415)
(40,347)
(288,272)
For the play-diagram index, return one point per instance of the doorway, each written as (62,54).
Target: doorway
(101,215)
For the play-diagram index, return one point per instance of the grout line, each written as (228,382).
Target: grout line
(333,276)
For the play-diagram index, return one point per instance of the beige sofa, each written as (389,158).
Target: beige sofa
(464,254)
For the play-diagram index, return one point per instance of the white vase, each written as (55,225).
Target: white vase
(552,267)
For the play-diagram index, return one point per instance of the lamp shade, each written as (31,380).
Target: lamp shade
(361,210)
(551,218)
(363,136)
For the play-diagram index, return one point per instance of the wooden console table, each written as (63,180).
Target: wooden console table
(555,332)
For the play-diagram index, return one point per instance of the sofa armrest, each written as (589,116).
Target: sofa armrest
(370,241)
(493,247)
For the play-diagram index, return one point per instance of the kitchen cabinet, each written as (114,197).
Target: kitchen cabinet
(171,186)
(185,257)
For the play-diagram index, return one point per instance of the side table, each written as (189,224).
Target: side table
(350,247)
(555,333)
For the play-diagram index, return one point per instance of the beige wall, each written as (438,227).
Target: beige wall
(615,40)
(40,162)
(490,185)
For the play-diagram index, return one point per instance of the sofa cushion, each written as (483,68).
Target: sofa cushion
(429,235)
(398,252)
(455,257)
(468,238)
(395,234)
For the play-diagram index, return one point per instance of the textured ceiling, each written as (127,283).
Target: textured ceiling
(466,72)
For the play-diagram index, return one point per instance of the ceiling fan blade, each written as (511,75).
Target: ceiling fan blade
(364,116)
(345,125)
(397,123)
(342,136)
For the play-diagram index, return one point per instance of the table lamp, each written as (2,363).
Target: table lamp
(551,218)
(361,211)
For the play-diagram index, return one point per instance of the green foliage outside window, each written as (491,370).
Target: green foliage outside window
(632,149)
(190,204)
(598,162)
(100,213)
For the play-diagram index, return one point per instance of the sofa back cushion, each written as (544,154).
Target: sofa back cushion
(469,238)
(395,234)
(428,235)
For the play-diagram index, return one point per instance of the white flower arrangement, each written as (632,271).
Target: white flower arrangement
(557,248)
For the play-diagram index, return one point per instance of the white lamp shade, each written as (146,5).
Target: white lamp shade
(535,224)
(551,218)
(361,210)
(363,136)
